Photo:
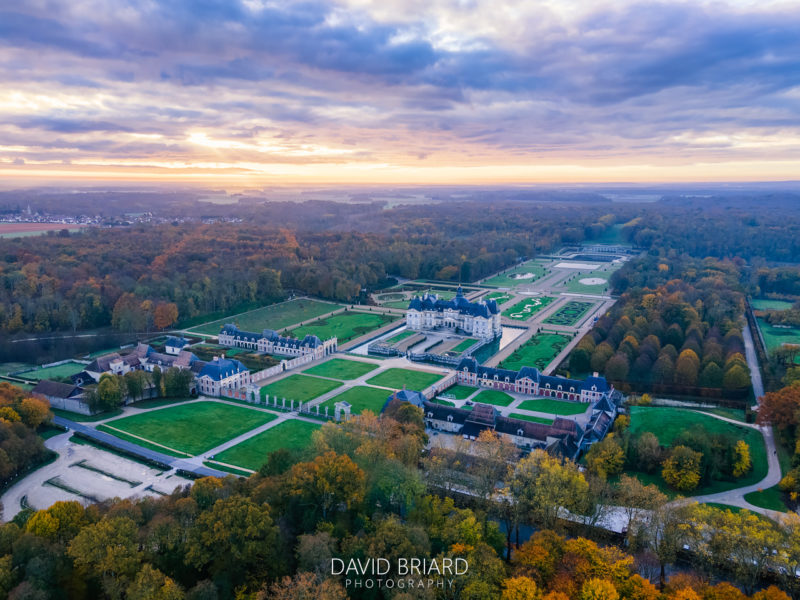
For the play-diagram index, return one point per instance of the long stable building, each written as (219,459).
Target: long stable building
(271,342)
(530,381)
(459,315)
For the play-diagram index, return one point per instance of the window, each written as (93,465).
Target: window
(519,432)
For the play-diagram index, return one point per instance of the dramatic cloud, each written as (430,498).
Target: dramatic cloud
(433,90)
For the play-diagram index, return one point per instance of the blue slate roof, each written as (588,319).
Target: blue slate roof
(176,342)
(234,331)
(415,398)
(485,308)
(472,366)
(220,368)
(310,341)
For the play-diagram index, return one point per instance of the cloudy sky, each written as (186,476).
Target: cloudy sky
(399,91)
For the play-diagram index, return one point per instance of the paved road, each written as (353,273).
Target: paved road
(773,477)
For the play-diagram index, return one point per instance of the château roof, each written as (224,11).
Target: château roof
(484,308)
(221,368)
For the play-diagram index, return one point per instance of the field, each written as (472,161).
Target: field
(344,326)
(591,288)
(340,368)
(275,316)
(469,342)
(12,230)
(400,336)
(770,498)
(536,352)
(522,311)
(766,304)
(493,397)
(498,297)
(775,337)
(554,407)
(300,388)
(668,422)
(531,419)
(460,392)
(189,428)
(570,314)
(361,398)
(251,454)
(397,378)
(505,279)
(57,372)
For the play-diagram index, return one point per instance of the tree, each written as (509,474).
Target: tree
(165,314)
(304,586)
(152,584)
(741,463)
(108,551)
(665,533)
(158,381)
(686,368)
(177,382)
(638,501)
(617,367)
(543,484)
(711,377)
(599,589)
(109,391)
(606,457)
(736,378)
(780,408)
(235,541)
(648,452)
(327,482)
(520,588)
(681,469)
(34,412)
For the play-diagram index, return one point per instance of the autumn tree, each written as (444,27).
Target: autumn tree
(741,462)
(165,314)
(329,481)
(681,469)
(606,457)
(303,586)
(520,588)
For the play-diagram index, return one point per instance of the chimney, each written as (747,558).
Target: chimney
(595,374)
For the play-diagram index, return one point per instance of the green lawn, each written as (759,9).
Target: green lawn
(300,388)
(443,402)
(555,407)
(498,297)
(400,336)
(252,453)
(340,368)
(460,392)
(666,423)
(737,414)
(569,314)
(468,343)
(592,288)
(775,337)
(506,279)
(191,428)
(397,378)
(767,304)
(493,397)
(536,352)
(275,316)
(532,419)
(401,304)
(524,310)
(360,397)
(344,326)
(771,499)
(57,372)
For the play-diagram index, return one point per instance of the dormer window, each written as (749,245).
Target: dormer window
(449,418)
(519,432)
(430,415)
(594,388)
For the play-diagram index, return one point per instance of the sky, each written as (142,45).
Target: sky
(249,93)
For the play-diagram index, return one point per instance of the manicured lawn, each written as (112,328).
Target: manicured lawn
(666,423)
(443,402)
(300,388)
(775,337)
(524,310)
(360,397)
(344,326)
(536,352)
(460,392)
(340,368)
(593,288)
(400,336)
(275,316)
(251,454)
(506,279)
(771,499)
(555,407)
(569,314)
(498,297)
(494,397)
(766,304)
(530,418)
(57,372)
(463,345)
(190,428)
(397,378)
(729,413)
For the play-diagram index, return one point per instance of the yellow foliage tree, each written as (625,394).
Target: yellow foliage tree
(599,589)
(681,469)
(520,588)
(742,463)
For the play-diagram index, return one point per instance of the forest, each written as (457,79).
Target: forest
(677,328)
(146,277)
(358,492)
